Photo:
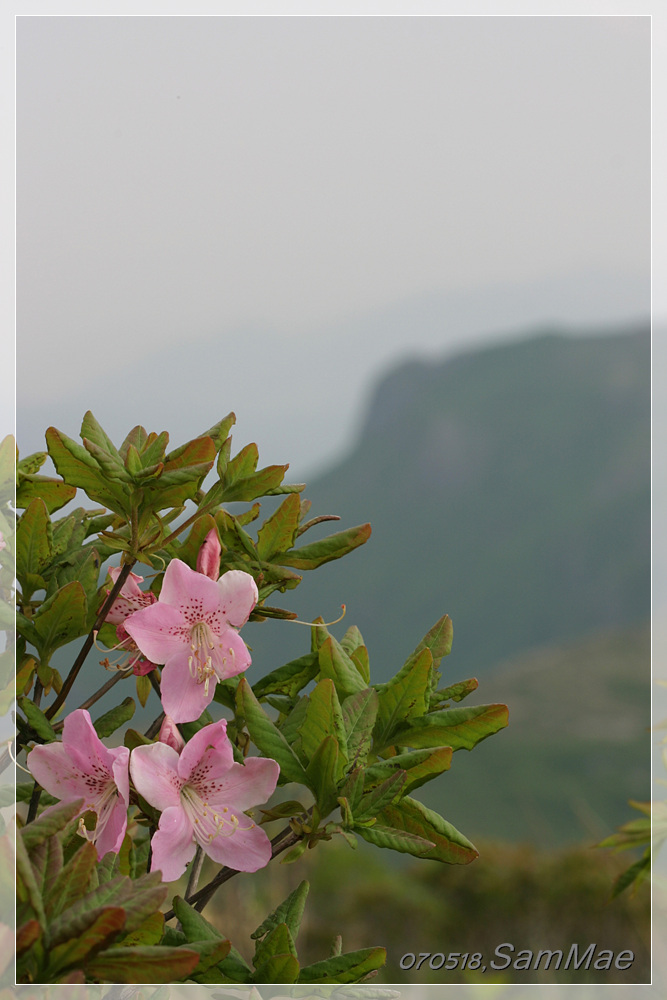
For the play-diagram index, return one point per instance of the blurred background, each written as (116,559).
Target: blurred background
(413,256)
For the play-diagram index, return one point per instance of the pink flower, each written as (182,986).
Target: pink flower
(81,767)
(208,557)
(203,795)
(170,735)
(192,630)
(130,599)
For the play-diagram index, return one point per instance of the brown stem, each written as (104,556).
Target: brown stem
(85,649)
(34,803)
(195,872)
(98,694)
(154,727)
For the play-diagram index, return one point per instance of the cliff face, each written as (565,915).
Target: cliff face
(509,487)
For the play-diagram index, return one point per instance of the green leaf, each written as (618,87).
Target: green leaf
(395,840)
(459,728)
(322,774)
(336,664)
(373,801)
(27,888)
(78,468)
(455,692)
(438,640)
(421,766)
(349,968)
(291,726)
(290,678)
(92,430)
(359,715)
(324,718)
(266,737)
(279,968)
(211,953)
(132,739)
(73,881)
(30,464)
(153,450)
(145,964)
(34,540)
(114,718)
(289,913)
(636,873)
(37,720)
(195,927)
(359,657)
(404,697)
(352,640)
(62,618)
(413,817)
(78,950)
(54,492)
(332,547)
(278,532)
(47,861)
(149,932)
(300,848)
(275,956)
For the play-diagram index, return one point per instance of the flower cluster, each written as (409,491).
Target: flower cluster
(202,793)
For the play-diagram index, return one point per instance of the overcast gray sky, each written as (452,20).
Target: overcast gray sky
(260,214)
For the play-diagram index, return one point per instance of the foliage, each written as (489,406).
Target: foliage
(351,751)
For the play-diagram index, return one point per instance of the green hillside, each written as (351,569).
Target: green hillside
(508,487)
(577,747)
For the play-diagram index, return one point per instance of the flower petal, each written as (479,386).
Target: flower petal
(230,655)
(214,736)
(173,845)
(52,766)
(85,747)
(120,761)
(159,631)
(238,594)
(244,785)
(131,597)
(208,557)
(154,770)
(182,697)
(109,834)
(170,735)
(192,593)
(246,850)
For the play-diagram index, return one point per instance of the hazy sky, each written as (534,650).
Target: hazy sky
(257,214)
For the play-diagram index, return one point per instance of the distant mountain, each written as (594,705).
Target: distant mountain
(577,748)
(508,487)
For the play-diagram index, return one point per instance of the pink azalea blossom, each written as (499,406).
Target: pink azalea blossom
(193,630)
(81,767)
(208,557)
(203,794)
(170,735)
(130,599)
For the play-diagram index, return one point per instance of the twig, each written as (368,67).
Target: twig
(85,649)
(154,727)
(195,872)
(34,803)
(98,694)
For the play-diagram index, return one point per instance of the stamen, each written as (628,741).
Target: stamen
(104,649)
(13,758)
(296,621)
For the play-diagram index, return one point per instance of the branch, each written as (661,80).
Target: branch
(85,649)
(99,694)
